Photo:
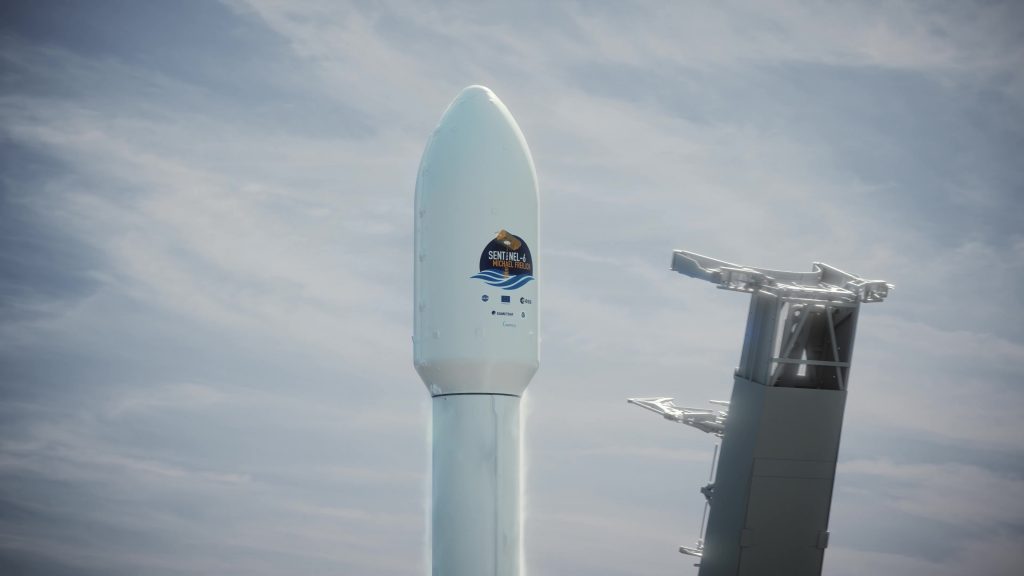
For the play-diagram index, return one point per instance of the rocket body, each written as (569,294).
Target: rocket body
(476,325)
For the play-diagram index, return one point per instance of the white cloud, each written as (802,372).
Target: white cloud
(998,556)
(909,35)
(969,396)
(951,493)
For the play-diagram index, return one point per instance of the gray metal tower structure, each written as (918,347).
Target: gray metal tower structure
(772,489)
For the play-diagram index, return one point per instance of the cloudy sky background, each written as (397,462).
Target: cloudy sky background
(206,272)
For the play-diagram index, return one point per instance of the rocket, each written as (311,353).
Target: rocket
(475,340)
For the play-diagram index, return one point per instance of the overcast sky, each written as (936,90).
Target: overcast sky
(206,272)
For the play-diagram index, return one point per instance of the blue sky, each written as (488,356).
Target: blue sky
(205,272)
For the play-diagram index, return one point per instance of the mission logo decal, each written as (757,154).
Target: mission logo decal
(506,262)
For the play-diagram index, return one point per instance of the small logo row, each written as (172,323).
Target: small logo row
(507,299)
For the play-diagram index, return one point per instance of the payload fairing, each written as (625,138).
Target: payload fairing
(476,325)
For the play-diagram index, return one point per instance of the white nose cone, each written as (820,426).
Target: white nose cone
(476,269)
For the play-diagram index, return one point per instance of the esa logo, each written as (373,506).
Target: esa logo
(525,301)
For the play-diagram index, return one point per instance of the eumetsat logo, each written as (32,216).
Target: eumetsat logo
(506,262)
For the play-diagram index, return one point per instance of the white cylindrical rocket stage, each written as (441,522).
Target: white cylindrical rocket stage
(476,524)
(476,327)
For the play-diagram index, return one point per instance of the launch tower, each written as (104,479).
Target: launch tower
(772,489)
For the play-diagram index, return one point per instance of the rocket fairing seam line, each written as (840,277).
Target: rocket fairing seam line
(476,394)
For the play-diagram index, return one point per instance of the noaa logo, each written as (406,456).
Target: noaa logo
(485,297)
(506,262)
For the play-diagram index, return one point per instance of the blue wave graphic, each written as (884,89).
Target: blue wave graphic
(489,275)
(499,280)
